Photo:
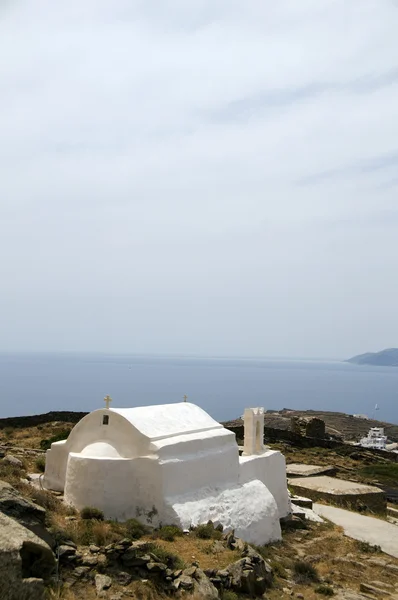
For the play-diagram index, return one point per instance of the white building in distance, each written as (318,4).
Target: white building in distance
(172,464)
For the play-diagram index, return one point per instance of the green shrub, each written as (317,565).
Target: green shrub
(207,532)
(368,548)
(62,435)
(84,533)
(304,572)
(385,473)
(135,529)
(229,595)
(173,561)
(278,569)
(46,499)
(9,431)
(10,473)
(90,512)
(168,533)
(40,463)
(325,590)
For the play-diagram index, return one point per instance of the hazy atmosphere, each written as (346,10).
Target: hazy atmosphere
(202,177)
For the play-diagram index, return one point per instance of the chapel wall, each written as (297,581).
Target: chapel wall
(119,433)
(122,489)
(270,469)
(200,470)
(55,471)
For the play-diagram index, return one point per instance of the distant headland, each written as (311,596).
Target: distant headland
(385,358)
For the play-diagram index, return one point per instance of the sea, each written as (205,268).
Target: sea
(38,383)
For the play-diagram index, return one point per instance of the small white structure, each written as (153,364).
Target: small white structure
(374,439)
(172,464)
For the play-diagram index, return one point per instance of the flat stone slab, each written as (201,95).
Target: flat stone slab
(298,470)
(332,485)
(341,492)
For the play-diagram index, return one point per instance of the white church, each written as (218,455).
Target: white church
(172,464)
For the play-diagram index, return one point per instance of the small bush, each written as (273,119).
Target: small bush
(144,590)
(135,529)
(9,431)
(279,569)
(229,595)
(84,533)
(368,548)
(62,435)
(10,473)
(207,532)
(304,572)
(40,463)
(168,533)
(325,590)
(173,561)
(46,499)
(90,512)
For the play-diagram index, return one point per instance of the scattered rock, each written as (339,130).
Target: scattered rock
(89,561)
(13,460)
(65,552)
(81,572)
(377,562)
(156,567)
(190,571)
(204,587)
(130,559)
(94,549)
(217,547)
(25,511)
(25,561)
(102,583)
(124,578)
(184,582)
(393,568)
(177,573)
(369,588)
(382,585)
(251,575)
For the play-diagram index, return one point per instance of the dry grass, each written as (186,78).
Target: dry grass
(30,437)
(339,561)
(85,532)
(192,549)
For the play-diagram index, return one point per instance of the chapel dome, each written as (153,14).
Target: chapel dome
(100,450)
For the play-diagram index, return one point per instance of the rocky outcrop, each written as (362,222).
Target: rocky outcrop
(128,560)
(26,562)
(25,511)
(13,460)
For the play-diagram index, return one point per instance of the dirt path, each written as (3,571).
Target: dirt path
(366,529)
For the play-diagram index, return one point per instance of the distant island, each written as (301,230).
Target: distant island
(385,358)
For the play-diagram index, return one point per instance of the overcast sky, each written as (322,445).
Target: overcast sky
(203,176)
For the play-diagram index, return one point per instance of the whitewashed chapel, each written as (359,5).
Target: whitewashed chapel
(172,464)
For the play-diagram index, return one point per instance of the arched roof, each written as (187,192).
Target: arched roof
(168,420)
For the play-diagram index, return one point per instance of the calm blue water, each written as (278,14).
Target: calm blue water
(31,384)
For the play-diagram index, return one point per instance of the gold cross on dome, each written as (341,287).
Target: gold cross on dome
(107,401)
(185,398)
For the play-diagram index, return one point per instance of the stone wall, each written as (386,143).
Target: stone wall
(315,428)
(374,502)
